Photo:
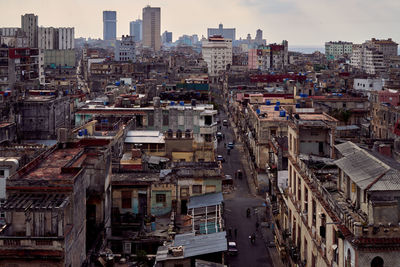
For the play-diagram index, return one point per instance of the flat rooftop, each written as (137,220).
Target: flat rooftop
(50,167)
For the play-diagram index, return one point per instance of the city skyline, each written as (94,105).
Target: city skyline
(308,22)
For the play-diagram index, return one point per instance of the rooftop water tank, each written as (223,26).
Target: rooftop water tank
(282,113)
(80,133)
(276,108)
(258,111)
(172,103)
(181,103)
(278,103)
(268,102)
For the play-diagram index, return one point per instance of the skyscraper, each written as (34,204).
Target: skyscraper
(29,25)
(227,33)
(135,29)
(109,25)
(167,37)
(152,27)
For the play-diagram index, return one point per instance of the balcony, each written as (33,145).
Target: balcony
(208,129)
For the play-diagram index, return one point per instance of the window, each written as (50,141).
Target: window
(160,198)
(1,173)
(184,191)
(196,189)
(165,120)
(377,262)
(126,199)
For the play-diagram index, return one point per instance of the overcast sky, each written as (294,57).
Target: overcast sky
(301,22)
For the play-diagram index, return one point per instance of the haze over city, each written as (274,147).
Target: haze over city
(307,22)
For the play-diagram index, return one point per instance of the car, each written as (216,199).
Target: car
(231,145)
(220,158)
(225,122)
(232,248)
(219,135)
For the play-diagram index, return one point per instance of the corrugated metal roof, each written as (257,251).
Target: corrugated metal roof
(201,244)
(205,200)
(362,168)
(143,133)
(347,128)
(347,148)
(144,137)
(389,182)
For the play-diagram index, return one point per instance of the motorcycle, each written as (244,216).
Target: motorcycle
(252,238)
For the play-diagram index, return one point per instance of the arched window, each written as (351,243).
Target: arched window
(377,262)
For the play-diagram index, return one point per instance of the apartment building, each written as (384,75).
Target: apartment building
(29,25)
(227,33)
(367,58)
(387,47)
(125,49)
(217,53)
(335,50)
(50,38)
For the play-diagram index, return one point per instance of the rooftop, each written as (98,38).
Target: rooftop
(39,202)
(205,200)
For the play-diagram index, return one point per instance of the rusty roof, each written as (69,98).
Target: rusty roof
(53,166)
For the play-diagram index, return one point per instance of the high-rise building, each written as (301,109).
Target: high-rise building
(334,50)
(167,37)
(109,25)
(29,25)
(227,33)
(152,27)
(56,38)
(367,58)
(135,30)
(217,53)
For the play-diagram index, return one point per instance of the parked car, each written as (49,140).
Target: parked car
(220,158)
(225,122)
(232,248)
(231,145)
(219,135)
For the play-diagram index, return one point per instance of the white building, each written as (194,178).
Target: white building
(66,37)
(368,59)
(125,49)
(46,37)
(217,53)
(334,50)
(368,84)
(50,38)
(9,31)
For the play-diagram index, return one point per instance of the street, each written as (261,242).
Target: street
(236,204)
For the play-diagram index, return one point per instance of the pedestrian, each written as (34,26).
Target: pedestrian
(257,225)
(230,232)
(235,233)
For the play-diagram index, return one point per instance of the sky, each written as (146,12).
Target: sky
(301,22)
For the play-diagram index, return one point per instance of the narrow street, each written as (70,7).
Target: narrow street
(236,204)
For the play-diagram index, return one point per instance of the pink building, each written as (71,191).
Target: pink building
(389,96)
(252,59)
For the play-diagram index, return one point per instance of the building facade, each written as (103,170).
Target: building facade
(368,59)
(135,30)
(152,27)
(335,50)
(217,52)
(167,37)
(109,25)
(125,49)
(29,25)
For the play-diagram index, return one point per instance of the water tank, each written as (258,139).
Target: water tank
(258,111)
(278,103)
(85,132)
(181,103)
(276,108)
(298,105)
(172,103)
(268,102)
(282,113)
(193,102)
(80,133)
(118,83)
